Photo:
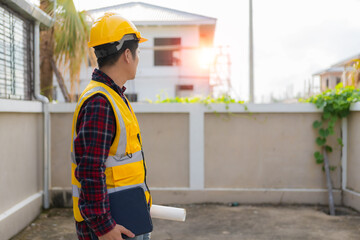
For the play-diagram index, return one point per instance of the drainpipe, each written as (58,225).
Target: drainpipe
(45,103)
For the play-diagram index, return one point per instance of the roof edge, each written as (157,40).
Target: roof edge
(332,70)
(151,5)
(30,11)
(346,61)
(172,23)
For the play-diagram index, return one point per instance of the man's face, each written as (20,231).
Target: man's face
(134,63)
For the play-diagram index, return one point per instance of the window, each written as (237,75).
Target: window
(131,96)
(184,90)
(185,87)
(327,83)
(167,51)
(15,57)
(338,80)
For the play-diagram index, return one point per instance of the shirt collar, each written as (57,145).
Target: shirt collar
(100,76)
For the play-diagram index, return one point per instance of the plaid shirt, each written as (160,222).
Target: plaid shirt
(96,128)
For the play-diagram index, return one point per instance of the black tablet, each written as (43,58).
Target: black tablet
(129,208)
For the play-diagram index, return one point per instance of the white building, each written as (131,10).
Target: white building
(175,60)
(339,72)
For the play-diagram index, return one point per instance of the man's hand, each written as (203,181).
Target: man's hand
(115,234)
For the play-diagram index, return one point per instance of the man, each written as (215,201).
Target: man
(106,149)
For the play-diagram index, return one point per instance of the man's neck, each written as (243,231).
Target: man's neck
(115,74)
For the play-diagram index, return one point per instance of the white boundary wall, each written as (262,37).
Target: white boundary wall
(21,165)
(26,210)
(196,189)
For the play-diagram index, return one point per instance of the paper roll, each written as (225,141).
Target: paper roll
(168,213)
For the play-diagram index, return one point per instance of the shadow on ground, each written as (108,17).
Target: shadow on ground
(218,221)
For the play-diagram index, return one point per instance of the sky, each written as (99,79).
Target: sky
(293,39)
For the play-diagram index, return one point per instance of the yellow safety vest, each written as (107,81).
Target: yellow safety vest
(125,165)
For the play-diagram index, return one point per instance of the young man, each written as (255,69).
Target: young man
(106,149)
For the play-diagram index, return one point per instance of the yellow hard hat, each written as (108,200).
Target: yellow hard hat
(113,28)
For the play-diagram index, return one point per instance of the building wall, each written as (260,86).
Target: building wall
(152,80)
(332,77)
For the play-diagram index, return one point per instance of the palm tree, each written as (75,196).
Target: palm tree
(70,51)
(71,37)
(46,53)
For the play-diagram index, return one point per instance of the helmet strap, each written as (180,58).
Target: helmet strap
(114,47)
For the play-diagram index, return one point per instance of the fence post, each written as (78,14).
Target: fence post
(196,147)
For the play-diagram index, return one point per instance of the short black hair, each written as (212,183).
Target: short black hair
(109,60)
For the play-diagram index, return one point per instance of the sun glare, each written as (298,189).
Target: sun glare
(206,57)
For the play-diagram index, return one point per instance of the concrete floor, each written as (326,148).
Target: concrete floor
(217,221)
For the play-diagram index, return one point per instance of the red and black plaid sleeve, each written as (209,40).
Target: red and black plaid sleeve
(95,128)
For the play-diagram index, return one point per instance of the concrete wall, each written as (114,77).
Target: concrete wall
(166,147)
(161,141)
(194,154)
(21,165)
(265,150)
(61,124)
(262,157)
(352,184)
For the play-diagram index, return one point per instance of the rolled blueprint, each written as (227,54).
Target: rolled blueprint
(168,213)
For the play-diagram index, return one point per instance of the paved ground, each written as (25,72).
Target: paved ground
(216,221)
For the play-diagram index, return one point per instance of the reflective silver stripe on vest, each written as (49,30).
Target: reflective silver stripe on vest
(113,161)
(75,191)
(73,147)
(73,156)
(121,148)
(112,190)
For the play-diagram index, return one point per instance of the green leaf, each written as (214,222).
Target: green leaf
(317,154)
(317,124)
(319,103)
(324,132)
(344,113)
(328,148)
(319,157)
(333,119)
(320,141)
(326,115)
(332,168)
(319,161)
(339,140)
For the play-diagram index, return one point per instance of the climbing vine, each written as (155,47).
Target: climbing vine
(336,105)
(225,99)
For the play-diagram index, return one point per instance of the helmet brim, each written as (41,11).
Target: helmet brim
(142,40)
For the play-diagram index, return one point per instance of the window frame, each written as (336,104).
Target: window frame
(27,57)
(164,50)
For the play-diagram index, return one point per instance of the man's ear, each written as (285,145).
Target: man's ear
(127,55)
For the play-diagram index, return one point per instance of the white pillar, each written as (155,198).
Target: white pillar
(251,55)
(196,147)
